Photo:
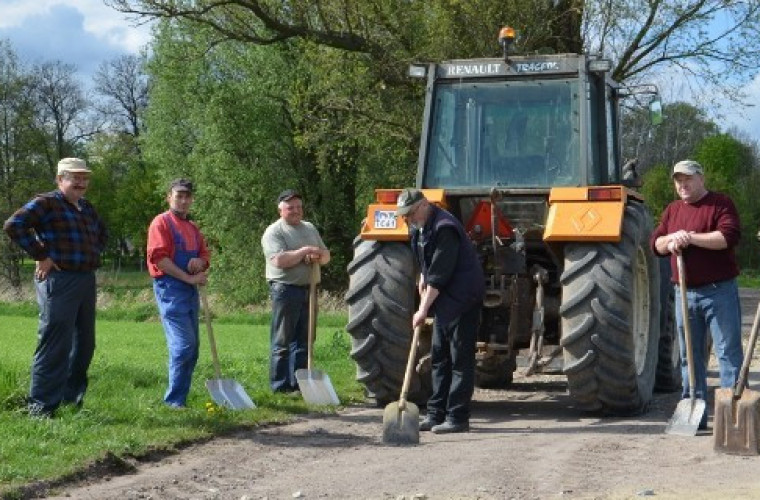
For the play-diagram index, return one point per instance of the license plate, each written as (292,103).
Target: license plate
(385,219)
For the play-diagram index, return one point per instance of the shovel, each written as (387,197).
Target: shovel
(315,385)
(401,420)
(688,414)
(736,427)
(224,391)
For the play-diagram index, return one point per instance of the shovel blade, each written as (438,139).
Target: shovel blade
(401,425)
(737,426)
(316,388)
(227,392)
(686,418)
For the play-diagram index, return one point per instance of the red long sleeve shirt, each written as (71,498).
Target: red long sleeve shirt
(714,212)
(161,242)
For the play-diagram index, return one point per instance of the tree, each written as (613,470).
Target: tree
(18,160)
(61,111)
(710,43)
(388,31)
(658,188)
(345,113)
(123,84)
(220,117)
(675,139)
(124,185)
(730,167)
(641,37)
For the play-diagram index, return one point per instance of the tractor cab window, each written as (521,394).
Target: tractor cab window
(506,133)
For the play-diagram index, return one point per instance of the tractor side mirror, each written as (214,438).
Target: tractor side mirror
(655,111)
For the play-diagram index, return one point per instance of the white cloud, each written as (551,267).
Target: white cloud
(85,33)
(102,22)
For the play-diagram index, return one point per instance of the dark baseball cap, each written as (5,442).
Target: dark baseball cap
(288,195)
(181,185)
(407,199)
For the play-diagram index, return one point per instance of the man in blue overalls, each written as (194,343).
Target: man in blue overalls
(177,261)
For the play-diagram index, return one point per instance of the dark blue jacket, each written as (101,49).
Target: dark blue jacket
(461,282)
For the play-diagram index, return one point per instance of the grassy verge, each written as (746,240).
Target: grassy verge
(123,414)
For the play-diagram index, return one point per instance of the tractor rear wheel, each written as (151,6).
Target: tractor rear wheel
(610,317)
(381,302)
(668,377)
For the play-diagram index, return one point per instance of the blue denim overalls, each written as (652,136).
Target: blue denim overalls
(178,306)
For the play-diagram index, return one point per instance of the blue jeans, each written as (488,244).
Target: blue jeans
(65,339)
(715,307)
(453,361)
(288,335)
(179,307)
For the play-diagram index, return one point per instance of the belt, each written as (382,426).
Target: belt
(306,287)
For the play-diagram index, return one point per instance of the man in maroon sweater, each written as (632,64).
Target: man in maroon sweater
(703,226)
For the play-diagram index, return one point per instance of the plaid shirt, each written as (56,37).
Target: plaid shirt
(50,226)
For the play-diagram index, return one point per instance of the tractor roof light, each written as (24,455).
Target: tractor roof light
(506,39)
(600,65)
(417,70)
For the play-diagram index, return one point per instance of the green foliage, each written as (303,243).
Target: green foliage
(123,190)
(725,161)
(123,413)
(675,139)
(731,168)
(658,189)
(23,173)
(218,118)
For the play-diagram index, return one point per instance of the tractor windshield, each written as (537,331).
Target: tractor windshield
(505,133)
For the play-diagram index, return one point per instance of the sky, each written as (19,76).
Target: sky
(87,33)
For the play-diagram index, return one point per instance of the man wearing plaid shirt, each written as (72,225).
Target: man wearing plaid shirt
(62,232)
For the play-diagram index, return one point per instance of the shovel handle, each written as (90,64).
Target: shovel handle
(409,367)
(744,372)
(211,341)
(686,328)
(314,272)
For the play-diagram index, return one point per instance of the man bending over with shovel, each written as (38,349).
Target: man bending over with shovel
(290,246)
(177,261)
(703,227)
(451,289)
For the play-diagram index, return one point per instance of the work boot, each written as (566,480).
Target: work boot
(428,423)
(450,427)
(38,411)
(703,422)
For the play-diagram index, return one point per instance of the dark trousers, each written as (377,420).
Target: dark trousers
(288,335)
(66,339)
(453,360)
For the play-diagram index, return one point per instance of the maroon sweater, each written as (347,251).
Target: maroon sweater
(715,211)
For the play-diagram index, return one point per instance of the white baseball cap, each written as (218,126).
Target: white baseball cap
(72,165)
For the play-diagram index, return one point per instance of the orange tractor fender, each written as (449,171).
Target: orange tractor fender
(593,213)
(382,223)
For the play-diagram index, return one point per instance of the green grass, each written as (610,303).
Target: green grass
(749,278)
(123,414)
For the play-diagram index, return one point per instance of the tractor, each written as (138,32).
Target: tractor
(525,151)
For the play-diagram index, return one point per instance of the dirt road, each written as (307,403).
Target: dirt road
(526,443)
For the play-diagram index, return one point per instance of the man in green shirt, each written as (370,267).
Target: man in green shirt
(290,246)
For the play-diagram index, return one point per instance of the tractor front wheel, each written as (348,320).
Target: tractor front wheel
(381,301)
